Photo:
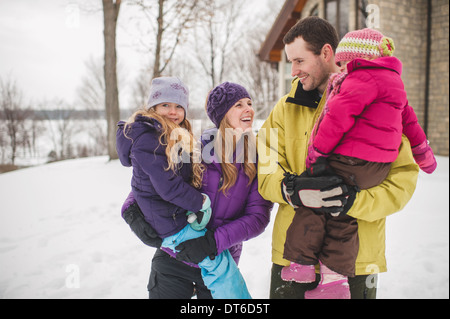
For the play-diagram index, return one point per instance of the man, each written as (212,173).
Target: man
(311,45)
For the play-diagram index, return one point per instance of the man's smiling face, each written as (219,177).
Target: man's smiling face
(311,69)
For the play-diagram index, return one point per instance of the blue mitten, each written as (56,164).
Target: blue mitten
(199,220)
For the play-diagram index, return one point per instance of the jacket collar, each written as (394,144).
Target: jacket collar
(388,63)
(124,142)
(305,98)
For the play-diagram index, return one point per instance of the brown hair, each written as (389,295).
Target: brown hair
(229,169)
(184,138)
(316,32)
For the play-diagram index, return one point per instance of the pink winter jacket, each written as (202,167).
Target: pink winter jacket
(367,116)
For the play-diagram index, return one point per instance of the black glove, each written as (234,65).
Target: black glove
(322,168)
(326,194)
(351,196)
(135,219)
(195,250)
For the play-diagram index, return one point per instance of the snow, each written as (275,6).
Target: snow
(62,236)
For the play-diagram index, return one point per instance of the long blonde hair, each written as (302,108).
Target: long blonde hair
(226,152)
(178,139)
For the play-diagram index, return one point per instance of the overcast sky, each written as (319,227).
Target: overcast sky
(44,45)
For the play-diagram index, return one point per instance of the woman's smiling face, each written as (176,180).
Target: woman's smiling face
(241,114)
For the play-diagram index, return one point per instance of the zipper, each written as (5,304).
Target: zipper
(213,203)
(174,215)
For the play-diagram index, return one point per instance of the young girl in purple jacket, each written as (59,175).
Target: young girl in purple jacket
(176,275)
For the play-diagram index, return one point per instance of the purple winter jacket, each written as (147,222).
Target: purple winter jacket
(241,215)
(164,197)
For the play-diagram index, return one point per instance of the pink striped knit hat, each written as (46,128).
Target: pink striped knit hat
(365,43)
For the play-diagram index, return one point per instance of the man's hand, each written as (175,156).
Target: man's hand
(327,194)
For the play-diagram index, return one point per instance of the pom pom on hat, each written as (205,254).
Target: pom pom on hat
(387,46)
(168,90)
(365,43)
(222,98)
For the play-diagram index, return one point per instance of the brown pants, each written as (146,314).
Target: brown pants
(314,236)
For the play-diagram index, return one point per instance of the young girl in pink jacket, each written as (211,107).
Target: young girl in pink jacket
(359,133)
(366,115)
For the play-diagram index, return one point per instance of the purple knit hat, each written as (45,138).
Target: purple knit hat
(222,98)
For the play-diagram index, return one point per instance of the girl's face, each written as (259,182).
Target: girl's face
(241,114)
(343,66)
(171,111)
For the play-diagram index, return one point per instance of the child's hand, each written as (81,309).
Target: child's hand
(313,155)
(424,157)
(320,167)
(200,219)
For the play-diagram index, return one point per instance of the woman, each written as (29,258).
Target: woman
(226,177)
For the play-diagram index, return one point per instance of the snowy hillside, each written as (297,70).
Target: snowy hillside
(61,236)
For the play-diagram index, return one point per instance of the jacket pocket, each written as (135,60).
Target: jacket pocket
(178,216)
(296,151)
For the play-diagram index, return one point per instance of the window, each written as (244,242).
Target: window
(314,11)
(361,14)
(285,76)
(288,78)
(337,13)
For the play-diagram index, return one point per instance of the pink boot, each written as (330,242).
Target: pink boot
(331,286)
(299,273)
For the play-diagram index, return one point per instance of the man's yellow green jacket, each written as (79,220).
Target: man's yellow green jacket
(284,138)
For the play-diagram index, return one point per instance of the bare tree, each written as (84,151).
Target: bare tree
(140,88)
(216,37)
(260,78)
(91,92)
(111,13)
(3,142)
(226,46)
(91,95)
(33,130)
(13,113)
(61,127)
(168,21)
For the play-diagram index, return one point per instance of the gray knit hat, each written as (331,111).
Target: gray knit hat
(168,90)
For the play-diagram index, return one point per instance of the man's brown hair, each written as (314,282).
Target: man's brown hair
(316,32)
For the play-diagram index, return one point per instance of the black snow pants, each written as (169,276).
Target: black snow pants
(173,279)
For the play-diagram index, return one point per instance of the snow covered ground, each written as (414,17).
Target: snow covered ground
(61,236)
